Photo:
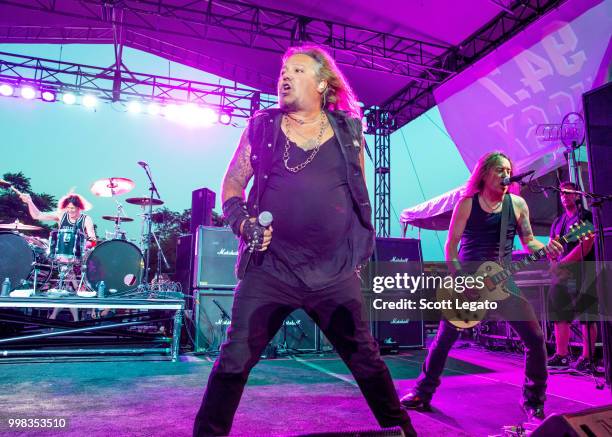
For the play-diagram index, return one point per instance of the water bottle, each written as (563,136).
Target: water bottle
(101,289)
(6,287)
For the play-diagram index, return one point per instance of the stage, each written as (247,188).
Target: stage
(286,396)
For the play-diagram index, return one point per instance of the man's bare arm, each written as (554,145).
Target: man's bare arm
(525,232)
(528,240)
(35,212)
(239,171)
(461,214)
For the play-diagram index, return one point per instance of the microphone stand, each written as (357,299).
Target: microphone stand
(147,241)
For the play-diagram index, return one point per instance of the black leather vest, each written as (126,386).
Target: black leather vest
(264,129)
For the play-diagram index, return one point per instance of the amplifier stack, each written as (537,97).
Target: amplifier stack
(212,262)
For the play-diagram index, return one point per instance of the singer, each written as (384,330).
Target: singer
(477,225)
(307,161)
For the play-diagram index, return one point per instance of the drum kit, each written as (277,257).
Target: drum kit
(34,264)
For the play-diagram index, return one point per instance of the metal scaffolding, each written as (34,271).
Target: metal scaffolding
(119,84)
(417,97)
(246,25)
(380,124)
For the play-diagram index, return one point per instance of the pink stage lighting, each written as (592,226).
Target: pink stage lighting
(27,92)
(6,90)
(48,96)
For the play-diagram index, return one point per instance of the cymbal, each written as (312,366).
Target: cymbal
(112,187)
(114,218)
(18,226)
(144,201)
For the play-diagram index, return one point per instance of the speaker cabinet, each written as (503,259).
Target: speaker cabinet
(202,205)
(213,316)
(594,422)
(183,272)
(395,329)
(216,250)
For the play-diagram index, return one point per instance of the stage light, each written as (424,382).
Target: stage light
(190,115)
(69,98)
(134,107)
(208,117)
(48,96)
(153,109)
(89,101)
(225,118)
(171,111)
(27,92)
(6,90)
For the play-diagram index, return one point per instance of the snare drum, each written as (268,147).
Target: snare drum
(67,245)
(118,263)
(20,255)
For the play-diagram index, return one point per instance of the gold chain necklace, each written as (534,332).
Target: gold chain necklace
(314,152)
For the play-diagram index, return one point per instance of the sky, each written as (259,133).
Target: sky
(61,147)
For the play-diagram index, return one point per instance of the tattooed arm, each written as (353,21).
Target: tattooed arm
(239,171)
(554,248)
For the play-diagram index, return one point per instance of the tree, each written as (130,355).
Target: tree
(12,208)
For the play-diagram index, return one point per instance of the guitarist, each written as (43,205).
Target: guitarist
(476,224)
(563,304)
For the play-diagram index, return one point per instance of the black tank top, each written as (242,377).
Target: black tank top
(313,214)
(480,239)
(79,225)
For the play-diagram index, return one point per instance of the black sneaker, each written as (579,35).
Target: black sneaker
(583,365)
(558,362)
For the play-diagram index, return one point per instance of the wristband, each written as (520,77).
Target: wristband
(234,213)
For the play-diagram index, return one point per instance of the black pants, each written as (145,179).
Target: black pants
(261,304)
(522,319)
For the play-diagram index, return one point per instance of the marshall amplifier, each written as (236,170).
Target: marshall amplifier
(212,314)
(216,250)
(213,310)
(298,333)
(402,328)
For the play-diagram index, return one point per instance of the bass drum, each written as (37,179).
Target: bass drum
(118,263)
(19,255)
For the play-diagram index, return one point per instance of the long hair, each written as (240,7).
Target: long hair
(475,183)
(76,199)
(338,95)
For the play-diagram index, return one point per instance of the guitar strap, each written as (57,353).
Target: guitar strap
(505,212)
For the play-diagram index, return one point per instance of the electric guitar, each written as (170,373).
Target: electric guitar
(494,277)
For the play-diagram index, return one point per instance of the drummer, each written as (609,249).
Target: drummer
(69,215)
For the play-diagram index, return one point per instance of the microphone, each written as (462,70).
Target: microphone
(224,314)
(507,181)
(143,164)
(264,219)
